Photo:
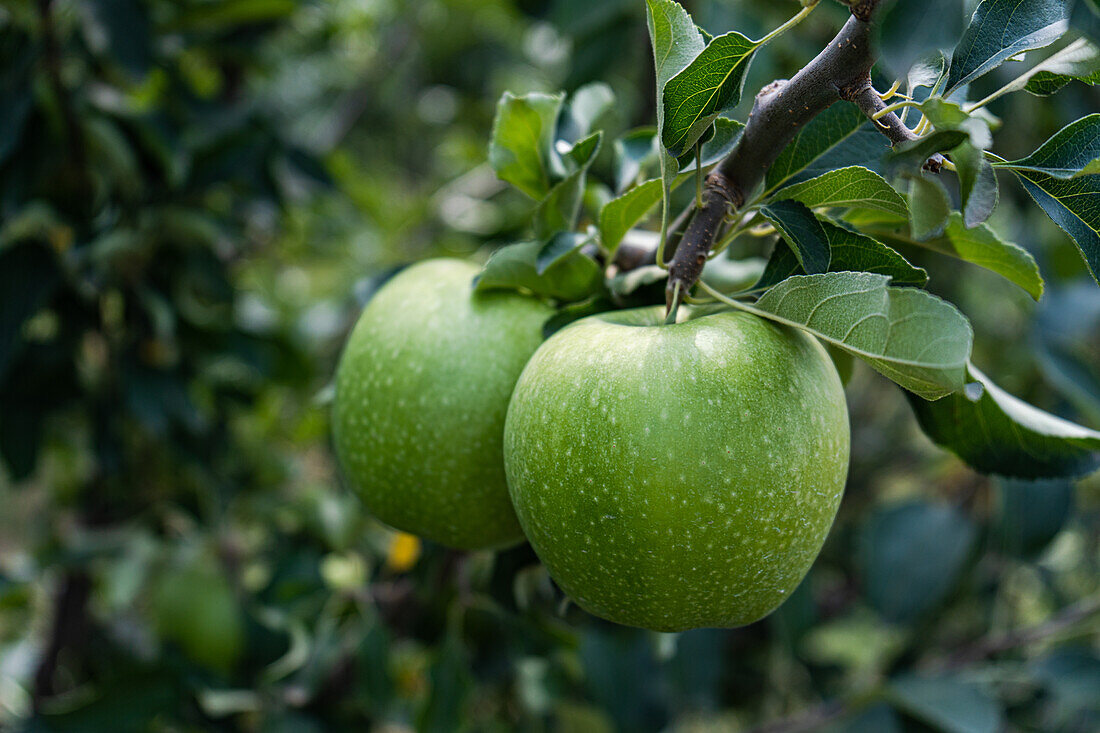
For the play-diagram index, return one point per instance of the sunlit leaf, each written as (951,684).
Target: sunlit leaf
(709,85)
(520,143)
(854,186)
(908,335)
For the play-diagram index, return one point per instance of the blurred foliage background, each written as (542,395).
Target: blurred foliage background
(196,198)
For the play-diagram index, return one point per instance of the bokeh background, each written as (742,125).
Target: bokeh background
(197,197)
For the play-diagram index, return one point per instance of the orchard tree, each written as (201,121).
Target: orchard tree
(676,450)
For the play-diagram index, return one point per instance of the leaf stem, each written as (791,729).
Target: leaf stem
(894,108)
(698,175)
(795,20)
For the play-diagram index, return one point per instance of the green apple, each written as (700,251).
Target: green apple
(194,607)
(677,476)
(421,395)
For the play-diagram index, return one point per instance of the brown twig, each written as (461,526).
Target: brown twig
(781,109)
(68,629)
(995,644)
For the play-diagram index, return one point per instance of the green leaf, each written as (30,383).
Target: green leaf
(709,85)
(947,703)
(634,154)
(854,186)
(1069,676)
(627,210)
(1079,61)
(126,30)
(1029,514)
(676,41)
(732,276)
(1001,29)
(823,134)
(977,181)
(520,143)
(911,154)
(802,232)
(1000,434)
(981,246)
(451,684)
(908,30)
(929,207)
(1074,205)
(558,211)
(560,246)
(583,110)
(926,72)
(851,252)
(1085,17)
(515,267)
(584,151)
(925,544)
(910,336)
(727,133)
(619,215)
(1066,153)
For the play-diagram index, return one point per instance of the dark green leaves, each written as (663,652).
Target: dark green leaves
(911,154)
(802,232)
(1074,205)
(1058,176)
(556,269)
(910,336)
(1066,153)
(28,276)
(926,544)
(1002,435)
(520,145)
(710,84)
(850,252)
(1029,514)
(908,30)
(950,704)
(1001,29)
(825,133)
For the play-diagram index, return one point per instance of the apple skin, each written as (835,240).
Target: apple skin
(422,391)
(195,608)
(680,476)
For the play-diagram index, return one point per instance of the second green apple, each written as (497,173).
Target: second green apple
(677,476)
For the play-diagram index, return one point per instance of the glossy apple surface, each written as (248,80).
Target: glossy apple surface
(421,395)
(680,476)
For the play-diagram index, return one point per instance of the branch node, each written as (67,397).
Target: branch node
(733,195)
(863,9)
